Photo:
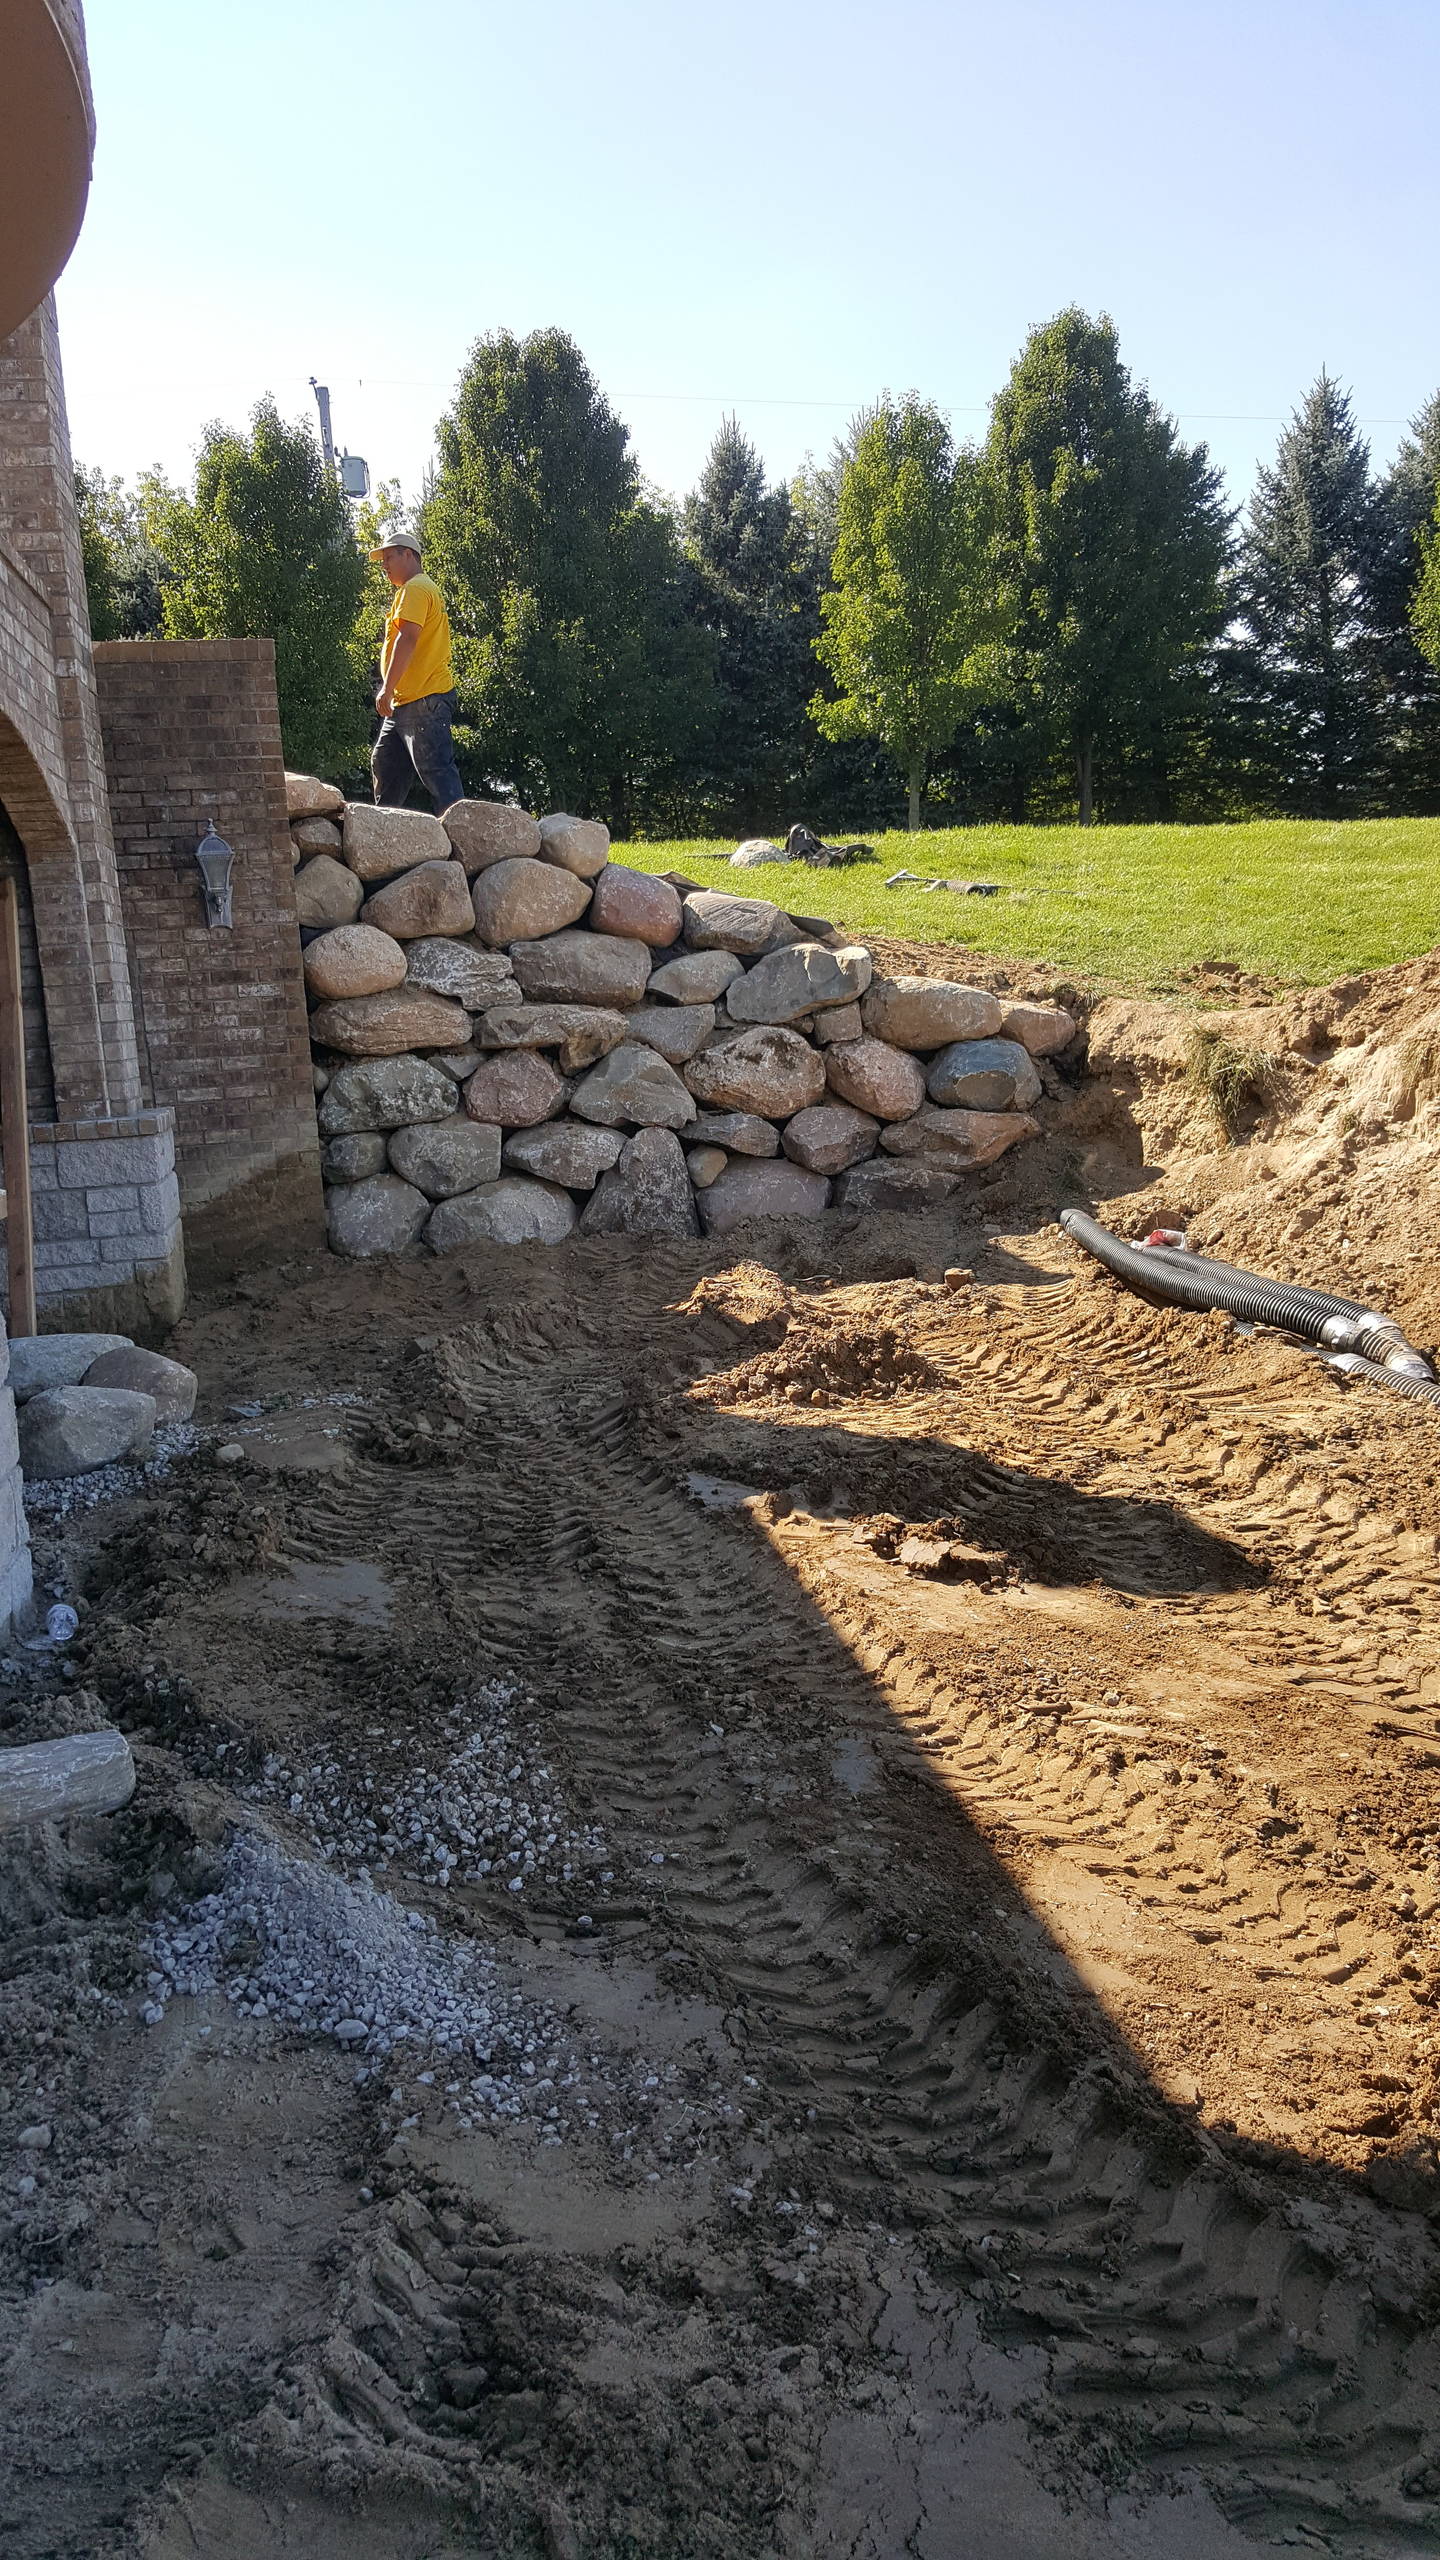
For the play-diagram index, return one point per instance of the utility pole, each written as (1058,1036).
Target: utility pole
(352,472)
(322,403)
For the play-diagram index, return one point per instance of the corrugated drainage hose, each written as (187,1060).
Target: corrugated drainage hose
(1366,1344)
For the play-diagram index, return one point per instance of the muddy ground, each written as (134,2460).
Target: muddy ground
(993,1735)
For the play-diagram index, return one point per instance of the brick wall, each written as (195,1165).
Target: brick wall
(191,732)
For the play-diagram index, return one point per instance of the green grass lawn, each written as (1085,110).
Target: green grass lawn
(1293,900)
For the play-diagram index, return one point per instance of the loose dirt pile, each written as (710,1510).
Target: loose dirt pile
(970,1759)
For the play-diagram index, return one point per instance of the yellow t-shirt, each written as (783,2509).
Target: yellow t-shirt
(430,670)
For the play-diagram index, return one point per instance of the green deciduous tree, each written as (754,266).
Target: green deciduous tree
(1307,581)
(755,592)
(583,677)
(1112,540)
(264,546)
(122,567)
(911,606)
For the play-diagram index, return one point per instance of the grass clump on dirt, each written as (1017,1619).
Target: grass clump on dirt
(1297,901)
(1230,1075)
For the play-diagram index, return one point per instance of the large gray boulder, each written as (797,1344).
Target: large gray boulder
(148,1373)
(327,893)
(306,796)
(385,1026)
(885,1081)
(514,1210)
(676,1030)
(769,1070)
(582,968)
(754,853)
(577,845)
(633,1084)
(796,980)
(743,1133)
(519,901)
(463,970)
(565,1151)
(957,1141)
(380,842)
(443,1157)
(695,977)
(486,831)
(352,960)
(714,921)
(1042,1029)
(829,1137)
(380,1215)
(384,1093)
(41,1360)
(580,1032)
(355,1158)
(647,1193)
(65,1431)
(886,1185)
(637,905)
(432,898)
(316,835)
(515,1090)
(750,1190)
(925,1013)
(983,1075)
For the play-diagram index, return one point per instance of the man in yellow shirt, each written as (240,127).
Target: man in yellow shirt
(416,700)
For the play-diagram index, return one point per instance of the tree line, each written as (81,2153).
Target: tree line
(1067,618)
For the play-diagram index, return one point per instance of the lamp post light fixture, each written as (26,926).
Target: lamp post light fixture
(217,860)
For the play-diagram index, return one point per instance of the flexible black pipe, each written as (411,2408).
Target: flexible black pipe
(1181,1279)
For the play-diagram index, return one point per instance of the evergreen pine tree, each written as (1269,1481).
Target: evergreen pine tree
(1308,567)
(1405,505)
(755,592)
(1425,604)
(1112,548)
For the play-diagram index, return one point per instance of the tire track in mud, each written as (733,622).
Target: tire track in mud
(1197,2317)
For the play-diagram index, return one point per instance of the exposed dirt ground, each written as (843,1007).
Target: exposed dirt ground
(1010,1716)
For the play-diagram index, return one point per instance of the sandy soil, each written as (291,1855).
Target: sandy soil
(1011,1994)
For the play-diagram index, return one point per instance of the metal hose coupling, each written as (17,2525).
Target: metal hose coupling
(1377,1339)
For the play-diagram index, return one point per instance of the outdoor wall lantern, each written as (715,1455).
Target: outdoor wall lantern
(217,860)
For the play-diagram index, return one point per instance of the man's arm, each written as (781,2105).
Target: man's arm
(395,665)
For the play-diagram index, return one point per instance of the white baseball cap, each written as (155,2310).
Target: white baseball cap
(402,538)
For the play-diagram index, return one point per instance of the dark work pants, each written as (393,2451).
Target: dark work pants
(415,739)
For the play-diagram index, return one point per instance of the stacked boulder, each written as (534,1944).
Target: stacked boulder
(516,1039)
(87,1400)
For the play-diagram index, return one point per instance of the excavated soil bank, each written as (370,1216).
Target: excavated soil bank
(989,1742)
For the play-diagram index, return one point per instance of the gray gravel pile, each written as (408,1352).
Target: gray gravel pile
(489,1812)
(56,1497)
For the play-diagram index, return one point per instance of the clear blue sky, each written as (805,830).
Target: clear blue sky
(779,207)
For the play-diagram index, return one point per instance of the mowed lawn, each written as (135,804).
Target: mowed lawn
(1294,900)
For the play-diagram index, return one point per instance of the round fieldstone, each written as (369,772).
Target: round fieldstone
(743,1133)
(380,842)
(326,893)
(715,922)
(582,968)
(633,1084)
(829,1137)
(577,845)
(705,1165)
(838,1022)
(514,1210)
(65,1431)
(306,796)
(463,970)
(486,831)
(580,1032)
(750,1190)
(355,1158)
(957,1141)
(676,1030)
(443,1157)
(458,1064)
(515,1090)
(381,1215)
(316,835)
(433,898)
(875,1077)
(384,1026)
(792,982)
(647,1193)
(384,1093)
(754,853)
(1042,1029)
(40,1360)
(352,960)
(925,1013)
(519,901)
(635,905)
(695,977)
(983,1075)
(564,1151)
(148,1373)
(770,1070)
(883,1184)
